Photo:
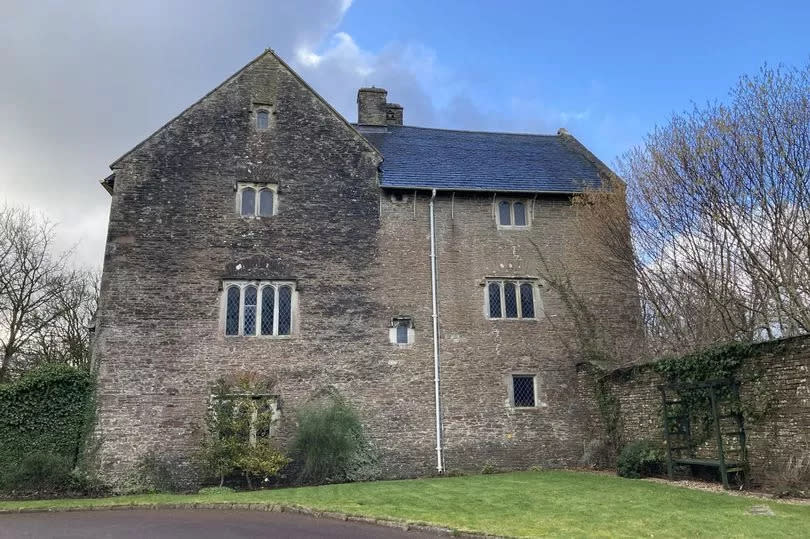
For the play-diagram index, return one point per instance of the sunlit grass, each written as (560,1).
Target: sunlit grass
(551,503)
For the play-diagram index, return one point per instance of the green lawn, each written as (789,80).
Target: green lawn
(556,503)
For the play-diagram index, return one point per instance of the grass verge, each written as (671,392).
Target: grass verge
(524,504)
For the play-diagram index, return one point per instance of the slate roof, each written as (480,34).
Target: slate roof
(426,158)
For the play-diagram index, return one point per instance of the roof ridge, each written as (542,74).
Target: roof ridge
(476,131)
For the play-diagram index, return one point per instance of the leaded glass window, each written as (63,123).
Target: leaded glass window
(249,311)
(232,311)
(526,301)
(523,391)
(510,299)
(268,309)
(284,310)
(494,300)
(248,207)
(259,307)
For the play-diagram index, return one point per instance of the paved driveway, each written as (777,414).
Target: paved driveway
(191,524)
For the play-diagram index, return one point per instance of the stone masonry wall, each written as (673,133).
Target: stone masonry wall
(774,391)
(358,259)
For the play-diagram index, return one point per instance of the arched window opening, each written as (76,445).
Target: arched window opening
(504,213)
(266,203)
(494,300)
(520,214)
(402,332)
(249,311)
(284,310)
(526,301)
(262,119)
(268,309)
(232,311)
(248,206)
(510,300)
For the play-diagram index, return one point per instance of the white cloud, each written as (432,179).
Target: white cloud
(87,80)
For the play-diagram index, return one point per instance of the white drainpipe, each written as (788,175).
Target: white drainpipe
(434,282)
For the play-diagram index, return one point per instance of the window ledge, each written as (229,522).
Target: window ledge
(537,408)
(513,227)
(513,319)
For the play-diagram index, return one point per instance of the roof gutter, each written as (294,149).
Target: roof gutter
(434,285)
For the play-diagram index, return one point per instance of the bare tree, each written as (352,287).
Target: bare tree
(67,338)
(719,208)
(32,282)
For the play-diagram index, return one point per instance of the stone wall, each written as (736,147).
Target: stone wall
(775,394)
(359,258)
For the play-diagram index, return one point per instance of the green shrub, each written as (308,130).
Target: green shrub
(330,445)
(38,472)
(642,458)
(488,468)
(260,460)
(238,424)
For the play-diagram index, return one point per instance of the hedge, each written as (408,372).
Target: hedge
(46,411)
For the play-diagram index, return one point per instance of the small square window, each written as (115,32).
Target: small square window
(523,391)
(401,331)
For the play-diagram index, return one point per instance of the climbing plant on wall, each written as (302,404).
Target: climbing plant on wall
(46,411)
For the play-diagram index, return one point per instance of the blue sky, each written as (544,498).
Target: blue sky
(86,80)
(615,68)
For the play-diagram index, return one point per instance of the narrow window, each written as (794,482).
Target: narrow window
(526,301)
(265,203)
(494,300)
(510,300)
(523,391)
(262,119)
(232,314)
(504,211)
(284,310)
(248,207)
(520,213)
(402,332)
(268,309)
(249,312)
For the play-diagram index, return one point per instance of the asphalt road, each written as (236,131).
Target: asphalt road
(191,524)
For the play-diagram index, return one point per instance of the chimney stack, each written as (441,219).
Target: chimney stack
(372,108)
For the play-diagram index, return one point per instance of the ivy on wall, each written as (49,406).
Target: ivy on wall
(716,362)
(46,411)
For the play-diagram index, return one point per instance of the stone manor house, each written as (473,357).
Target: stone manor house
(400,266)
